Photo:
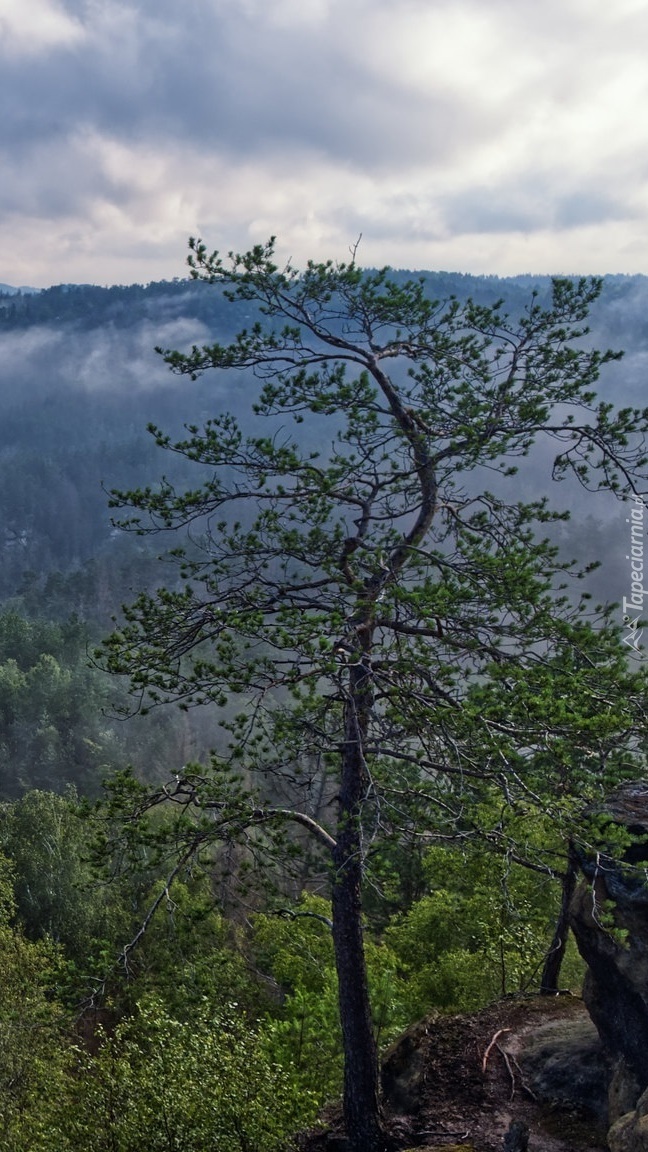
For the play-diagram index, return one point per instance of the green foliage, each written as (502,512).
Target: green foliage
(32,1039)
(295,945)
(188,1071)
(296,949)
(59,715)
(185,1067)
(192,956)
(161,1084)
(57,894)
(305,1038)
(32,1029)
(52,730)
(481,931)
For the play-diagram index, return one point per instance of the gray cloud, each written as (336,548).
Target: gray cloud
(127,125)
(208,74)
(528,206)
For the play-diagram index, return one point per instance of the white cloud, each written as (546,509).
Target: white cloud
(29,29)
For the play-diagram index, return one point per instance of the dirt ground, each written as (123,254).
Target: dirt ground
(457,1082)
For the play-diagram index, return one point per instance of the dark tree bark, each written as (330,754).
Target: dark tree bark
(556,954)
(362,1111)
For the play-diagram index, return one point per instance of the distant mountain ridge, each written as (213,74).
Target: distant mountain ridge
(9,290)
(90,306)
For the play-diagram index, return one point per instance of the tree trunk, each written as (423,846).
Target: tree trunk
(556,953)
(362,1111)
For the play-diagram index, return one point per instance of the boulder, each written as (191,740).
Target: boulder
(630,1132)
(405,1067)
(565,1066)
(609,918)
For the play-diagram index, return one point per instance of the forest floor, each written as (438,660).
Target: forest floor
(457,1082)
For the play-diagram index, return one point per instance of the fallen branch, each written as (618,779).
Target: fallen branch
(500,1032)
(523,1084)
(290,915)
(509,1070)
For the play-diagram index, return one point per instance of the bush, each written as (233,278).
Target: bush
(160,1084)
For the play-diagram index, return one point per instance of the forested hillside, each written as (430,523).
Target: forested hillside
(80,381)
(219,1026)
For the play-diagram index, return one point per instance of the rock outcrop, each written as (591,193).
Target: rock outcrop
(565,1066)
(522,1068)
(609,918)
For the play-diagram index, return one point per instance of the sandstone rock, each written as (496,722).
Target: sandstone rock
(517,1137)
(565,1066)
(405,1067)
(630,1132)
(623,1092)
(609,918)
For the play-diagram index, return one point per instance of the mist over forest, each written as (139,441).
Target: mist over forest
(80,381)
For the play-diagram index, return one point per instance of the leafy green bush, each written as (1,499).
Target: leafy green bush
(303,1032)
(160,1084)
(32,1035)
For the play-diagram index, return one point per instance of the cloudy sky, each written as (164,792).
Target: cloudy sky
(495,136)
